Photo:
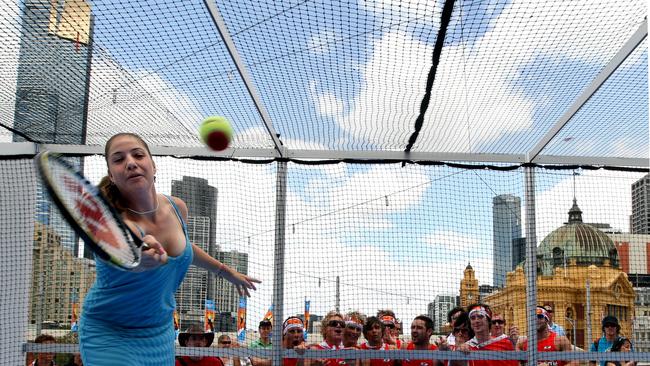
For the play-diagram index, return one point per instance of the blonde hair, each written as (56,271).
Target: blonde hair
(326,319)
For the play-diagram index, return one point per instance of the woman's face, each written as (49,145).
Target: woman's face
(130,166)
(626,347)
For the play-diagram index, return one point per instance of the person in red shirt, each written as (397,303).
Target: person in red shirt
(480,316)
(374,332)
(194,336)
(293,338)
(332,327)
(391,335)
(353,328)
(547,341)
(421,331)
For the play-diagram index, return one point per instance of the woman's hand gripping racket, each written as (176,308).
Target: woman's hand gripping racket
(89,213)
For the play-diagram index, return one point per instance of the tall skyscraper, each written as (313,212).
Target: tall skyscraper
(201,200)
(640,218)
(53,71)
(191,295)
(438,309)
(506,226)
(52,85)
(227,297)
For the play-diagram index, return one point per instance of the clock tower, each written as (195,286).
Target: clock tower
(468,287)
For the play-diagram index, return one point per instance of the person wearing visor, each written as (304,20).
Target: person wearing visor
(353,328)
(293,338)
(391,335)
(547,340)
(480,317)
(555,327)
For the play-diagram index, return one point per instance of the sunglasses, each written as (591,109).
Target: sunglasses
(540,316)
(498,322)
(336,323)
(461,330)
(225,342)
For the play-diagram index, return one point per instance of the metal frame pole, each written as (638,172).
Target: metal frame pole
(278,261)
(531,264)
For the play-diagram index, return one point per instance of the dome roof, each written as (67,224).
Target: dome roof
(575,241)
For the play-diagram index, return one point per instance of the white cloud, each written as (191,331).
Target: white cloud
(473,101)
(141,102)
(603,196)
(321,42)
(326,103)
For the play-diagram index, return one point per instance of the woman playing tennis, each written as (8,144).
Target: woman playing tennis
(128,315)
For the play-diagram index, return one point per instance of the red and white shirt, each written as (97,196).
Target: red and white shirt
(411,347)
(500,343)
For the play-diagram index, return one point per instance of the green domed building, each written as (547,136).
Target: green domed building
(579,274)
(576,242)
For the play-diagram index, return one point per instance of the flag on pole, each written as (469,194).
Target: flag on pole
(306,332)
(74,326)
(269,314)
(210,312)
(241,320)
(176,323)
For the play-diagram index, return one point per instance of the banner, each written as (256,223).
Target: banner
(74,326)
(269,314)
(176,323)
(241,320)
(210,313)
(306,332)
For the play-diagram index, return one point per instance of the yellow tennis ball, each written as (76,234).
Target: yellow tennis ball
(216,132)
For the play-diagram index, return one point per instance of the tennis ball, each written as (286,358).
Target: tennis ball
(216,132)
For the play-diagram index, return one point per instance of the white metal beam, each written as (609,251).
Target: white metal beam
(28,148)
(243,72)
(616,61)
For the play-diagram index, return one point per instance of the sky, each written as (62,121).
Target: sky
(351,77)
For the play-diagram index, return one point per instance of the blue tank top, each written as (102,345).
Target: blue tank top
(138,300)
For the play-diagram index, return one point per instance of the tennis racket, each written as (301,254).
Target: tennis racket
(89,213)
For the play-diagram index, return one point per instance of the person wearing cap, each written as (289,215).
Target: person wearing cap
(293,338)
(547,340)
(555,327)
(264,342)
(374,331)
(611,329)
(480,316)
(421,332)
(194,336)
(264,329)
(391,335)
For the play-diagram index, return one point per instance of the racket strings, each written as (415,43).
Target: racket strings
(83,202)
